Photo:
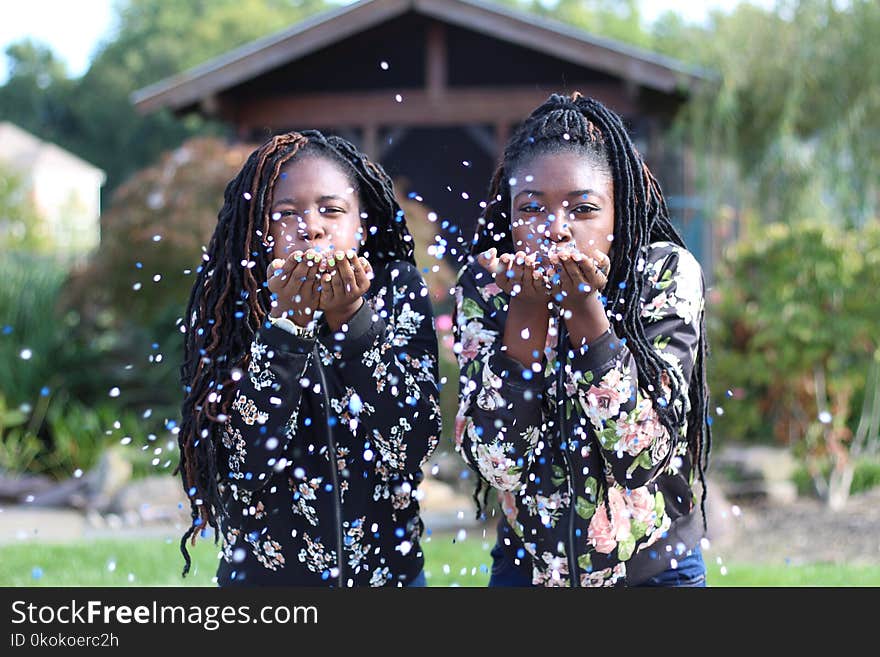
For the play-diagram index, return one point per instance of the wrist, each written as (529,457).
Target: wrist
(531,305)
(336,317)
(586,321)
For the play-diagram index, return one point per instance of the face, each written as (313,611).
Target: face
(313,206)
(560,201)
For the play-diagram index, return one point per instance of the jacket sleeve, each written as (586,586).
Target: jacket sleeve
(386,361)
(500,401)
(263,414)
(604,385)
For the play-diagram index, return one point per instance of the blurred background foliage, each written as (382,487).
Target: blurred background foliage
(786,140)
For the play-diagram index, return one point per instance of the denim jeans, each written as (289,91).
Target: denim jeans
(691,572)
(418,580)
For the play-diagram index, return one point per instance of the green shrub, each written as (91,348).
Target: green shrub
(866,477)
(793,324)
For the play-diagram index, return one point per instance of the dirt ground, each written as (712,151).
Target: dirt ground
(803,531)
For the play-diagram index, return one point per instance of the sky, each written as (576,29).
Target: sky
(74,28)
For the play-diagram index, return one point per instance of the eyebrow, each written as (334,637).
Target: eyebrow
(322,199)
(577,192)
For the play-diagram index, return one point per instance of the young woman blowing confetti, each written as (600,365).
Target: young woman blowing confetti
(310,375)
(581,342)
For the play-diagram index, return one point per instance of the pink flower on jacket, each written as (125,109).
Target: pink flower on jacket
(489,291)
(639,433)
(640,503)
(474,338)
(460,421)
(600,404)
(507,500)
(605,534)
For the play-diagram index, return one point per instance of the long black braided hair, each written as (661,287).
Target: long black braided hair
(230,301)
(586,126)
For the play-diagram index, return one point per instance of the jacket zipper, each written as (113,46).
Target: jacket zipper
(334,468)
(560,411)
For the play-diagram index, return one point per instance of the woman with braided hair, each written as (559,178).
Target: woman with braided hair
(581,341)
(310,375)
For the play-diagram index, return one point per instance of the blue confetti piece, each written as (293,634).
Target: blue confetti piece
(36,572)
(7,329)
(44,391)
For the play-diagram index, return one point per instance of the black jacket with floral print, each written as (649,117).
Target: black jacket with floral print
(553,484)
(304,482)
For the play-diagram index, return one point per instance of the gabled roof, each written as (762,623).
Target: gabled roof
(520,28)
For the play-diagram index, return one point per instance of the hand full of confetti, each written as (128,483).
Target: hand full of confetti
(307,281)
(556,273)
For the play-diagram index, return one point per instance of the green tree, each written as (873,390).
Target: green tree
(153,39)
(796,108)
(612,19)
(19,219)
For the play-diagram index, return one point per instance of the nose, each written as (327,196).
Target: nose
(559,226)
(311,226)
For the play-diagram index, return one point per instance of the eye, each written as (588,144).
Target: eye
(282,214)
(331,210)
(532,207)
(584,208)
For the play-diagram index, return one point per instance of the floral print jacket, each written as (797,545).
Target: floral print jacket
(553,485)
(291,519)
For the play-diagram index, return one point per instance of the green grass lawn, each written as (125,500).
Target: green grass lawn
(157,562)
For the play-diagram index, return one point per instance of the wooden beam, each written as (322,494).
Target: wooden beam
(370,142)
(436,73)
(561,41)
(255,58)
(491,105)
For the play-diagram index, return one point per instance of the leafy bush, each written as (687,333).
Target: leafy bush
(866,477)
(794,332)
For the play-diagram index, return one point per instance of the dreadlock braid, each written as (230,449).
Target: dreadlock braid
(229,302)
(584,125)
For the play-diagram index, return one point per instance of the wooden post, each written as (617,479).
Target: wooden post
(436,73)
(502,134)
(371,140)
